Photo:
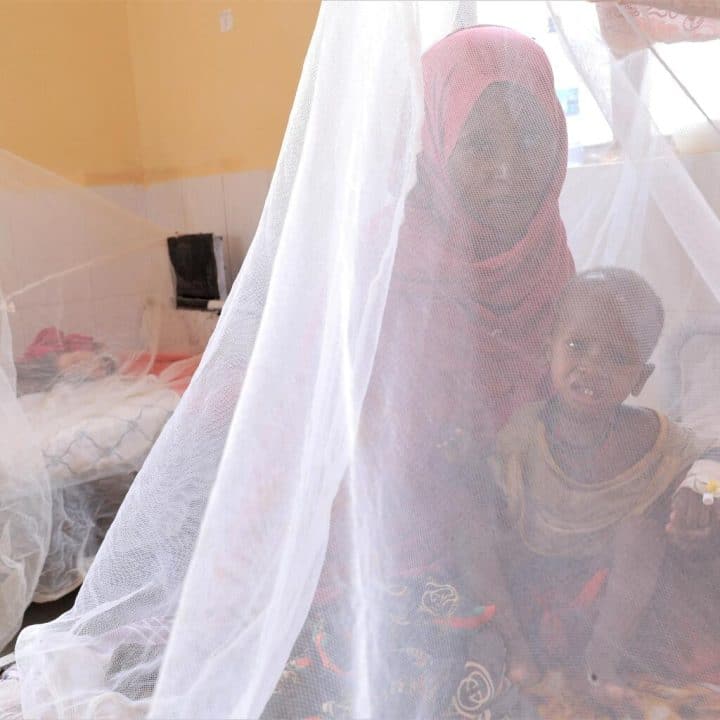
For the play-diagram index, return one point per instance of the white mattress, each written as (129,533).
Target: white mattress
(98,429)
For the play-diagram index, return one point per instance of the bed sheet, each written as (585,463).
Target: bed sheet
(98,429)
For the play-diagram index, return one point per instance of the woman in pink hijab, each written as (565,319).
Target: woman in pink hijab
(481,258)
(482,254)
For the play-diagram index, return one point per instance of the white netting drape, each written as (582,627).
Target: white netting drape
(86,290)
(425,468)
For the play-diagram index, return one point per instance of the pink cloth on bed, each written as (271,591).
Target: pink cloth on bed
(174,369)
(51,340)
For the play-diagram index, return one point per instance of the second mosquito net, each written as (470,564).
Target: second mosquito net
(86,292)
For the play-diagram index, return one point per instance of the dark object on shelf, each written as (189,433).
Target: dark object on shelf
(199,262)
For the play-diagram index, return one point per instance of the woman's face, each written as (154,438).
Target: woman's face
(504,160)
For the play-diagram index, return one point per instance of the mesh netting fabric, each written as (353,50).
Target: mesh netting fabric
(86,289)
(451,449)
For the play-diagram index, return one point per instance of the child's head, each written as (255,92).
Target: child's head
(607,324)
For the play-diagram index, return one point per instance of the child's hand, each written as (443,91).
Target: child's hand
(692,524)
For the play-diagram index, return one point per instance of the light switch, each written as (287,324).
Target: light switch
(226,20)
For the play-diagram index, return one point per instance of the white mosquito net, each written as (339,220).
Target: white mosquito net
(452,447)
(86,289)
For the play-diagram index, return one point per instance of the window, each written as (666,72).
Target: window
(694,64)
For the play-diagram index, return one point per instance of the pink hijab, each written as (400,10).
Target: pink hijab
(456,72)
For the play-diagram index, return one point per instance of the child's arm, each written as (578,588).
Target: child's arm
(693,523)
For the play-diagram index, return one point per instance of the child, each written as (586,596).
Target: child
(585,484)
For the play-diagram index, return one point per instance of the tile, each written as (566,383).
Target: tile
(130,198)
(26,323)
(186,331)
(119,323)
(164,203)
(145,271)
(245,195)
(204,205)
(8,274)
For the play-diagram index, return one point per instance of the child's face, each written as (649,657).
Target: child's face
(595,362)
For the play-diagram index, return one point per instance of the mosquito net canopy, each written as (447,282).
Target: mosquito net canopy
(452,449)
(85,290)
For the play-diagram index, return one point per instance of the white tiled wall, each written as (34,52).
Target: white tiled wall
(58,226)
(244,199)
(130,197)
(229,205)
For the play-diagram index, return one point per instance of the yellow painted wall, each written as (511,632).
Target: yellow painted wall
(116,91)
(210,101)
(67,99)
